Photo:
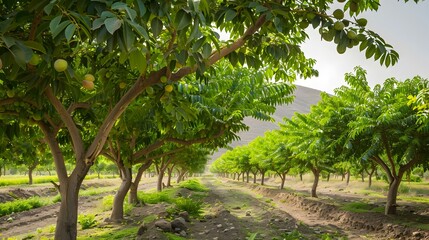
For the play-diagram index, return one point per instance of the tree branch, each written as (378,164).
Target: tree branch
(77,141)
(217,55)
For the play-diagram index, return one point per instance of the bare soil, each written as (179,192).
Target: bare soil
(238,210)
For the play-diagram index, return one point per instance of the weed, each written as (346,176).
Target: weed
(252,236)
(21,205)
(194,185)
(294,235)
(156,197)
(360,207)
(107,204)
(87,221)
(194,208)
(171,236)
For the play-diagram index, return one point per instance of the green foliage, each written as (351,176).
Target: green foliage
(20,205)
(107,204)
(124,232)
(194,185)
(156,197)
(87,221)
(359,207)
(294,235)
(192,206)
(172,236)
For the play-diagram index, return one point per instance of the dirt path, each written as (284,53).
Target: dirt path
(236,212)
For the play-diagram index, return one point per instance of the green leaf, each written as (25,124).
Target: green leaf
(138,61)
(9,41)
(230,14)
(35,46)
(182,56)
(59,28)
(156,25)
(70,31)
(112,24)
(54,23)
(197,45)
(48,8)
(97,23)
(142,7)
(183,19)
(207,50)
(139,29)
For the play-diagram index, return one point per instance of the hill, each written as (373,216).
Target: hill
(304,98)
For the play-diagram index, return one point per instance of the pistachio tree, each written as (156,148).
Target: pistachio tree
(62,57)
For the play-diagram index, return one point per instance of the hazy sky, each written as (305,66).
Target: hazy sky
(405,26)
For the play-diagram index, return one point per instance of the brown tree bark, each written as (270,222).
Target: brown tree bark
(316,173)
(118,202)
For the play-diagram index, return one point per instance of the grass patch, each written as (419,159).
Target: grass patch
(92,191)
(11,180)
(21,205)
(112,233)
(87,221)
(193,207)
(194,185)
(107,204)
(156,197)
(360,207)
(150,218)
(172,236)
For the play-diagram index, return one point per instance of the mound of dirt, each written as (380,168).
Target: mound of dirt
(376,223)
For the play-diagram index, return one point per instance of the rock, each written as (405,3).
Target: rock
(417,234)
(236,208)
(164,225)
(219,225)
(185,215)
(178,224)
(247,213)
(10,219)
(183,233)
(142,229)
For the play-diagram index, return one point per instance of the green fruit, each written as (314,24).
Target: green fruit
(89,77)
(362,22)
(168,88)
(163,79)
(354,6)
(122,85)
(304,24)
(37,117)
(351,34)
(35,60)
(329,35)
(149,90)
(338,14)
(10,93)
(88,84)
(339,25)
(341,48)
(310,16)
(360,37)
(60,65)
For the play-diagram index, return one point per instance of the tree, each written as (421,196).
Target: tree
(138,44)
(398,141)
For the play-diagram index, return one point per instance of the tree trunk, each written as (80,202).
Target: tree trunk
(316,173)
(170,173)
(118,201)
(263,178)
(66,227)
(391,196)
(132,197)
(30,175)
(160,177)
(254,177)
(300,176)
(238,176)
(329,176)
(348,178)
(247,176)
(283,178)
